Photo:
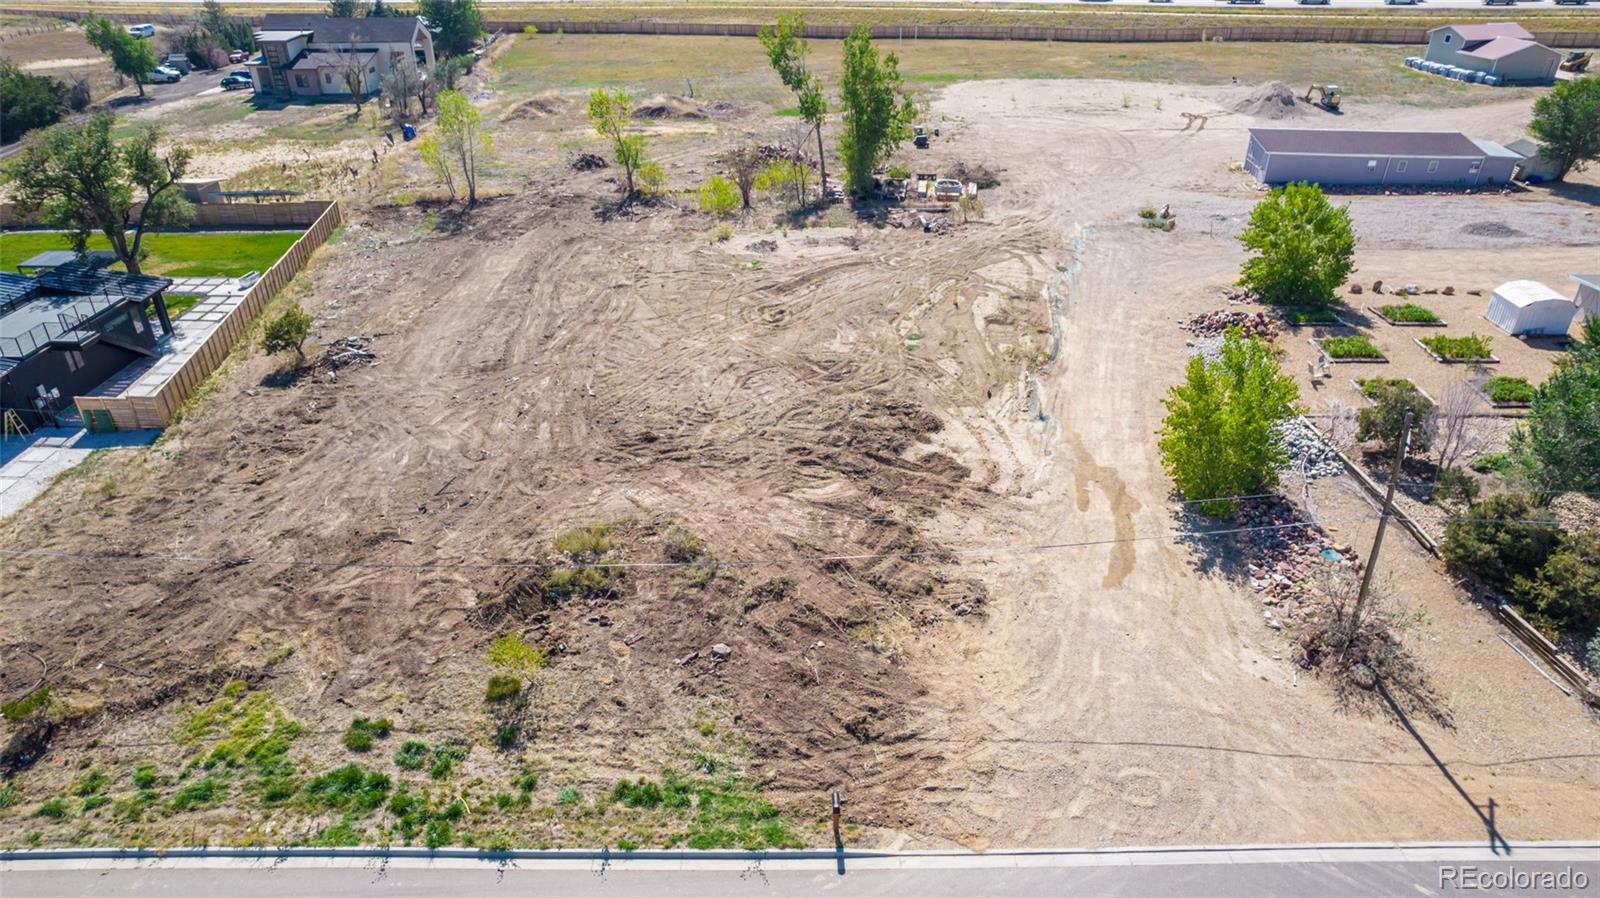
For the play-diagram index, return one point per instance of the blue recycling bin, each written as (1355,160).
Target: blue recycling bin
(408,131)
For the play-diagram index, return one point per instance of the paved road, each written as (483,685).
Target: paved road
(1240,873)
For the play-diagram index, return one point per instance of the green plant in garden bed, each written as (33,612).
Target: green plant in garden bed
(1350,348)
(1298,315)
(1468,348)
(1409,313)
(1508,389)
(1372,387)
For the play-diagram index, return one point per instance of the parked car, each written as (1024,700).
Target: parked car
(1313,2)
(1401,2)
(237,82)
(145,30)
(163,75)
(237,56)
(179,61)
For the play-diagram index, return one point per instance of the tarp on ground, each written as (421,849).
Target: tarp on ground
(1529,307)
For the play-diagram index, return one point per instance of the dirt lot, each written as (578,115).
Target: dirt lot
(873,429)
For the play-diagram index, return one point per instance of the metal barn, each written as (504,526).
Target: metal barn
(1334,157)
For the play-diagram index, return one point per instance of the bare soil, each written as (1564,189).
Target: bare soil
(871,428)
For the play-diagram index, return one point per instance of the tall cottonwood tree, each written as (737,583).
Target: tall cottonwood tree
(877,113)
(786,51)
(129,55)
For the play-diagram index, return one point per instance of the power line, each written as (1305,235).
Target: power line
(1004,548)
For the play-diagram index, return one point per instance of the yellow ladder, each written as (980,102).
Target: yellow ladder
(14,426)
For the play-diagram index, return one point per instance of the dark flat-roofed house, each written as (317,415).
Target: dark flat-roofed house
(67,330)
(1337,157)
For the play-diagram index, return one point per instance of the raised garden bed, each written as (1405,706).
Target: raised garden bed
(1407,314)
(1350,349)
(1368,387)
(1303,315)
(1473,348)
(1508,392)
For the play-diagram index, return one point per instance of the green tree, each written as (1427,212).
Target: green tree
(1500,540)
(382,10)
(287,331)
(228,32)
(1385,420)
(718,196)
(1566,588)
(343,9)
(129,55)
(1566,122)
(1558,444)
(82,179)
(609,112)
(877,113)
(1303,246)
(462,139)
(29,101)
(432,154)
(456,25)
(786,51)
(1219,437)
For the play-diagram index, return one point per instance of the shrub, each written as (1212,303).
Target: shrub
(438,833)
(1385,421)
(569,795)
(30,101)
(1161,224)
(91,783)
(643,794)
(1148,213)
(1493,543)
(411,755)
(1456,488)
(593,540)
(1302,315)
(502,687)
(1409,312)
(287,331)
(1372,386)
(54,808)
(652,179)
(1467,348)
(1558,443)
(1591,657)
(1509,389)
(1356,347)
(205,790)
(509,651)
(8,796)
(445,758)
(1302,247)
(718,196)
(1566,588)
(1493,463)
(362,732)
(349,787)
(722,234)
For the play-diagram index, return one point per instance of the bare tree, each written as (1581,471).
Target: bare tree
(1458,433)
(404,83)
(352,69)
(745,164)
(1342,427)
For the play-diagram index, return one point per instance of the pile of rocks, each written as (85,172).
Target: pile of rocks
(1281,559)
(1305,444)
(1238,294)
(930,224)
(1213,323)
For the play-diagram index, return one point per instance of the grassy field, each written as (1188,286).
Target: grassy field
(846,13)
(735,68)
(174,255)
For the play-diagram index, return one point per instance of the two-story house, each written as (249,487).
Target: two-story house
(310,56)
(1503,49)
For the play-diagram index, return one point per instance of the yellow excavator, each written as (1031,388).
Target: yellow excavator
(1327,96)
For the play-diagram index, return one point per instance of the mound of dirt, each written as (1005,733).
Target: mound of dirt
(978,174)
(586,162)
(1274,101)
(1490,229)
(542,106)
(668,106)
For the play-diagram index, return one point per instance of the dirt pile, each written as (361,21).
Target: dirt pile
(586,162)
(977,173)
(1274,102)
(666,106)
(542,106)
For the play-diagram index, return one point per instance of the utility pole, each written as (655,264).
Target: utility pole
(1377,540)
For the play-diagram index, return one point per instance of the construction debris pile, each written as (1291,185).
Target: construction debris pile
(1281,555)
(975,173)
(1308,450)
(1217,322)
(775,152)
(345,352)
(930,224)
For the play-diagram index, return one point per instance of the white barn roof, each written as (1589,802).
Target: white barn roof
(1529,307)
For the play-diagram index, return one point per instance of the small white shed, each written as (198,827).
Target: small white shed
(1588,298)
(1529,307)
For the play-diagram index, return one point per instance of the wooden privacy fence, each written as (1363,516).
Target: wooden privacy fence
(157,408)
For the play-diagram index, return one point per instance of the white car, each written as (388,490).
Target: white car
(163,75)
(145,30)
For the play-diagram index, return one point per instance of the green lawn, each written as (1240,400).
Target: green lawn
(174,255)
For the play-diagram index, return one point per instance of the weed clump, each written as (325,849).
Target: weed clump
(363,732)
(502,687)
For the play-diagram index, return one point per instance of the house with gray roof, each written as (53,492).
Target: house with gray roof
(1505,50)
(1335,157)
(312,56)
